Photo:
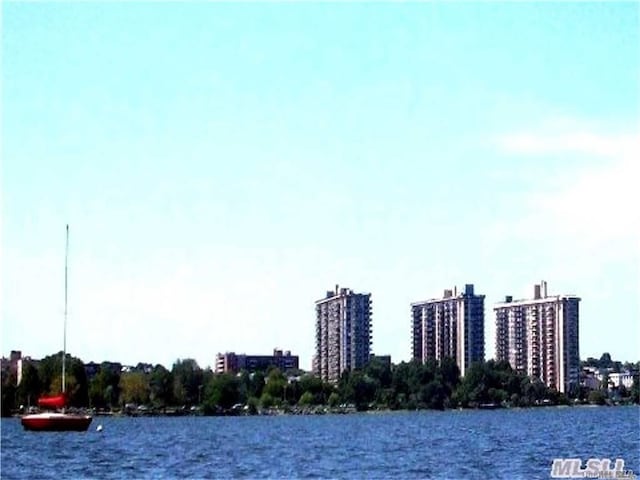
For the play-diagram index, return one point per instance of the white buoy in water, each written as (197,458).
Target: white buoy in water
(99,428)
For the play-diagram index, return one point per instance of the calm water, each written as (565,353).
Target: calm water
(453,444)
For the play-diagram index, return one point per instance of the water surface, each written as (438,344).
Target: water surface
(513,444)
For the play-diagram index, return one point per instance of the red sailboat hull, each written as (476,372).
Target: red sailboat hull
(56,422)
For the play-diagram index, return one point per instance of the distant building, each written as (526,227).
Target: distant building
(5,366)
(621,379)
(539,337)
(145,368)
(92,368)
(594,378)
(343,333)
(115,367)
(20,364)
(451,326)
(383,359)
(590,378)
(10,365)
(14,365)
(231,362)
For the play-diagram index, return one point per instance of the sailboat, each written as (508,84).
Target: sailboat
(58,421)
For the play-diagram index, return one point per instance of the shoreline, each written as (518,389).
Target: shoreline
(321,410)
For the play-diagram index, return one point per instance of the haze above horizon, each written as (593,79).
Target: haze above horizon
(222,165)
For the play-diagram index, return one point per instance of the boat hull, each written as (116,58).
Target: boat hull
(56,422)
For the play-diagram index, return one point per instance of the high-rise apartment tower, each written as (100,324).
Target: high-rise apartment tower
(343,333)
(539,337)
(452,326)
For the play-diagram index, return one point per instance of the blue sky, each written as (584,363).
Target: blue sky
(222,165)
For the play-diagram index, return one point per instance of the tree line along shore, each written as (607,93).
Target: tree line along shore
(190,389)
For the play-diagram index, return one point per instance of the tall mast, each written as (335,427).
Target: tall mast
(64,341)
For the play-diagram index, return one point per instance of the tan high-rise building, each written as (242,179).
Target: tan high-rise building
(343,333)
(539,337)
(451,326)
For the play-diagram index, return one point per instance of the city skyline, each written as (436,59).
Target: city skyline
(220,163)
(451,326)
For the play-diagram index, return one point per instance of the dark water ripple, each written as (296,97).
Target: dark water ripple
(510,444)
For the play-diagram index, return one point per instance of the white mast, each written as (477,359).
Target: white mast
(64,341)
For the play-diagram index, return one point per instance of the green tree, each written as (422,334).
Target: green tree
(400,382)
(597,397)
(306,399)
(222,392)
(252,404)
(107,386)
(77,386)
(161,386)
(605,361)
(30,386)
(334,400)
(56,385)
(450,374)
(257,384)
(50,367)
(496,382)
(134,388)
(293,391)
(275,385)
(635,388)
(96,392)
(357,388)
(9,393)
(267,401)
(379,371)
(81,393)
(473,389)
(433,395)
(314,386)
(187,378)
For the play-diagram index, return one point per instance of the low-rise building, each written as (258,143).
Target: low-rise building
(589,378)
(618,379)
(383,359)
(594,378)
(92,368)
(10,365)
(230,362)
